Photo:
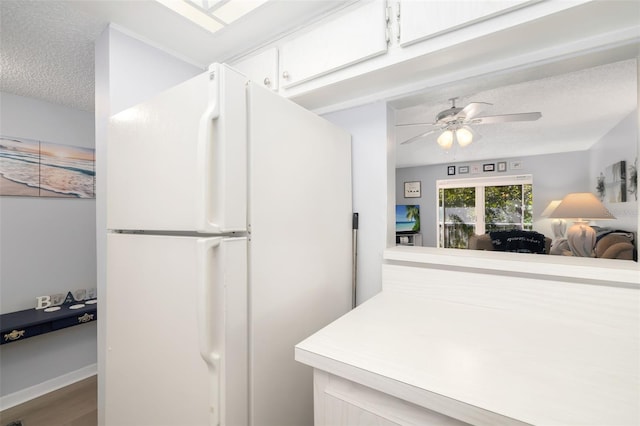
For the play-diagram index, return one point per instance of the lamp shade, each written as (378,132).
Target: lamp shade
(581,205)
(558,226)
(550,208)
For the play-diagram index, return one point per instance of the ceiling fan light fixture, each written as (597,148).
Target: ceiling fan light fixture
(454,123)
(464,136)
(445,140)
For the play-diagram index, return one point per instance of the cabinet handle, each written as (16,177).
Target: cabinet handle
(85,318)
(285,75)
(267,82)
(14,335)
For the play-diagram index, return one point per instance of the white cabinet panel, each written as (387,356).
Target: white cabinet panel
(423,19)
(352,37)
(261,68)
(340,402)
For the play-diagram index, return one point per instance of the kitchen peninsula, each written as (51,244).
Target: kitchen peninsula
(459,338)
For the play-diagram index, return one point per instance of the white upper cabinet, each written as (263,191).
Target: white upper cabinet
(375,49)
(261,68)
(420,20)
(354,36)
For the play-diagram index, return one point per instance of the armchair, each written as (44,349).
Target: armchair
(615,246)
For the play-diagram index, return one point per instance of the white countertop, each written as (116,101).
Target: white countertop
(622,272)
(486,360)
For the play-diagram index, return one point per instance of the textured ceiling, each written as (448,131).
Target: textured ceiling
(46,47)
(46,52)
(578,108)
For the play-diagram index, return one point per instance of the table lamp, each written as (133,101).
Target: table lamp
(581,207)
(558,226)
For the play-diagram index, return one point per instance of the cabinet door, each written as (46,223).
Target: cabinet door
(261,68)
(340,402)
(353,37)
(423,19)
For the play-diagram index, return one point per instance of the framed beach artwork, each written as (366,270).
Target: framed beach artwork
(615,183)
(30,168)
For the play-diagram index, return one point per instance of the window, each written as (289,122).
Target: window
(467,206)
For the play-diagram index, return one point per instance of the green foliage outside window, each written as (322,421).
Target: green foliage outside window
(506,207)
(460,197)
(453,202)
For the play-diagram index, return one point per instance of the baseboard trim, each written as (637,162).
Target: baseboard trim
(27,394)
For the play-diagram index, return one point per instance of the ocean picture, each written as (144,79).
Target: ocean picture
(407,218)
(41,169)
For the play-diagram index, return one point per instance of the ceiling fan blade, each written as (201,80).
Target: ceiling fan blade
(491,119)
(415,124)
(473,109)
(421,135)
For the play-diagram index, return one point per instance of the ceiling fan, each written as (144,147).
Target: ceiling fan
(455,122)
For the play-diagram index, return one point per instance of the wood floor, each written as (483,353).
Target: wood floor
(74,405)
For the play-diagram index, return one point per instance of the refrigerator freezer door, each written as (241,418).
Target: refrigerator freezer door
(176,313)
(300,249)
(178,161)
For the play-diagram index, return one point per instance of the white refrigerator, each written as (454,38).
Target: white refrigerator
(229,241)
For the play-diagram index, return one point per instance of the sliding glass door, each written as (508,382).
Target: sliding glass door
(508,207)
(457,218)
(468,206)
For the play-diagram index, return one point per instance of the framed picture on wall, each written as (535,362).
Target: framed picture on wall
(463,170)
(32,168)
(451,170)
(502,166)
(489,167)
(615,182)
(412,189)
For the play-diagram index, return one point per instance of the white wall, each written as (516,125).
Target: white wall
(47,246)
(128,71)
(619,144)
(373,186)
(554,176)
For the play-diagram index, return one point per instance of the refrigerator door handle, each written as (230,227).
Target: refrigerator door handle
(209,162)
(209,315)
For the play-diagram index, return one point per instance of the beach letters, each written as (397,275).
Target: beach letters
(73,296)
